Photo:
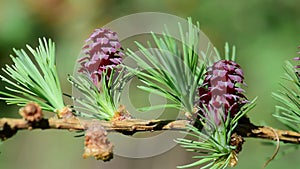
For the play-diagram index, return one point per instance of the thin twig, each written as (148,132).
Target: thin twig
(276,150)
(9,126)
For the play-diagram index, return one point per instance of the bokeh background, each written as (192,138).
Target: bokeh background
(266,33)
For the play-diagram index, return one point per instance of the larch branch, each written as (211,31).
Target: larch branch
(9,126)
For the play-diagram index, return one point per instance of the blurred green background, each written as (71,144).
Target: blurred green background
(266,34)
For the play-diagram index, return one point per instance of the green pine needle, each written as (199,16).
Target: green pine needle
(94,103)
(213,147)
(213,142)
(171,69)
(33,80)
(288,112)
(227,52)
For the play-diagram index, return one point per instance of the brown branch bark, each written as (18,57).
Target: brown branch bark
(9,126)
